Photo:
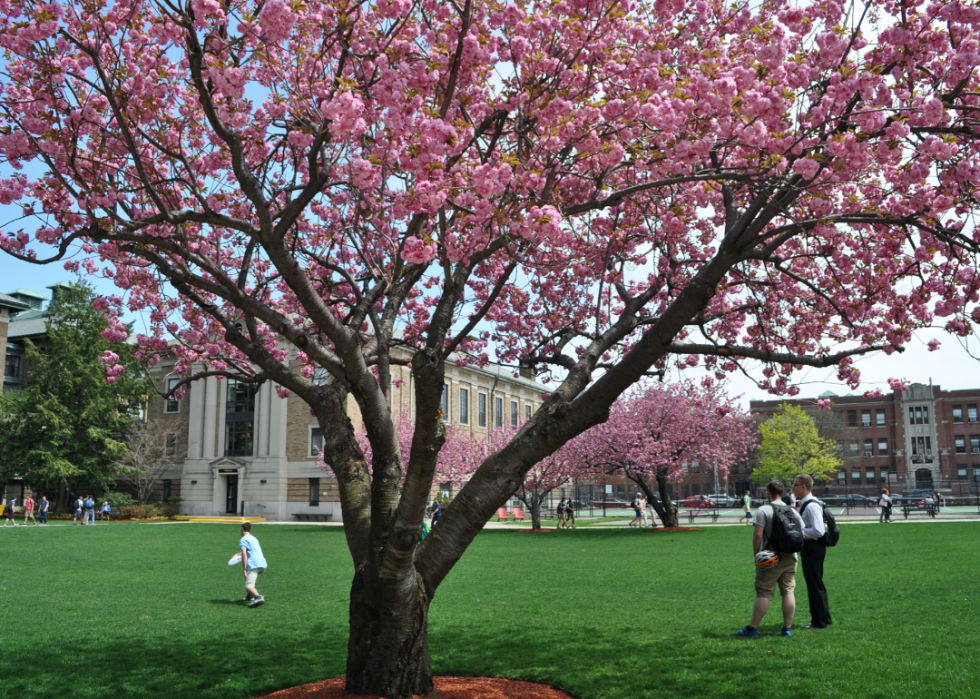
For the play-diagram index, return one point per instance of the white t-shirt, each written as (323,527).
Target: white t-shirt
(763,518)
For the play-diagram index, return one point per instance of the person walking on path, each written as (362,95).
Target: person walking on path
(436,512)
(653,515)
(42,511)
(885,503)
(637,512)
(747,507)
(560,513)
(8,512)
(90,511)
(569,514)
(253,564)
(79,505)
(814,552)
(643,512)
(772,568)
(29,510)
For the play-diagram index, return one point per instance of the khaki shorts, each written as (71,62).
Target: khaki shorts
(783,573)
(252,575)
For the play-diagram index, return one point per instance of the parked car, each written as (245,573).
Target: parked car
(698,502)
(724,500)
(611,502)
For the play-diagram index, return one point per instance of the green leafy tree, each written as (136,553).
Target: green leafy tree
(791,444)
(68,424)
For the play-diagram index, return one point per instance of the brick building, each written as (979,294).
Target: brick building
(920,437)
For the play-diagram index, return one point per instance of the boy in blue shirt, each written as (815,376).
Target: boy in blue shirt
(253,563)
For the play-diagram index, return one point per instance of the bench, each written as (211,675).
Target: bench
(312,517)
(915,509)
(691,514)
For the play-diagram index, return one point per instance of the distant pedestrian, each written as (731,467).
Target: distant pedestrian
(885,503)
(29,510)
(560,513)
(42,511)
(79,508)
(253,564)
(747,506)
(436,512)
(105,510)
(8,512)
(89,510)
(637,512)
(653,515)
(643,511)
(569,514)
(938,500)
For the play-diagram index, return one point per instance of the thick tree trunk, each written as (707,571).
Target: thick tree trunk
(535,508)
(388,646)
(669,512)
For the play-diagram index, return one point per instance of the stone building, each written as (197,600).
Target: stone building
(237,449)
(920,437)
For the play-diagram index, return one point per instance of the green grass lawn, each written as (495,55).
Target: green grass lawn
(143,610)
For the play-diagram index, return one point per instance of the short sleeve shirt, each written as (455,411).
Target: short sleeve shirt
(29,504)
(763,518)
(254,550)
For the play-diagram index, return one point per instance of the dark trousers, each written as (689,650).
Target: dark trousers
(813,555)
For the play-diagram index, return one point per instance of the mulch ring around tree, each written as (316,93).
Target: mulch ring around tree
(534,531)
(445,688)
(675,529)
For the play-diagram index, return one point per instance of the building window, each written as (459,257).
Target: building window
(957,413)
(464,406)
(960,442)
(841,476)
(840,448)
(513,413)
(172,404)
(869,446)
(170,445)
(869,476)
(919,416)
(921,450)
(168,486)
(884,476)
(852,418)
(498,411)
(975,443)
(961,472)
(856,477)
(316,441)
(880,417)
(314,492)
(481,409)
(12,367)
(971,413)
(855,449)
(444,401)
(695,467)
(865,418)
(976,471)
(239,419)
(882,447)
(527,412)
(445,489)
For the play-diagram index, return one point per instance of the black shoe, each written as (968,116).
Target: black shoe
(249,598)
(256,602)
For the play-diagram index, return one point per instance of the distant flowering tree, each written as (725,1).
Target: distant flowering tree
(655,432)
(604,186)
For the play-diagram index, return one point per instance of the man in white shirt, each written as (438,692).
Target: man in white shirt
(814,552)
(783,573)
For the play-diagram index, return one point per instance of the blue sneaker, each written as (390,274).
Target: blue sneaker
(747,633)
(783,631)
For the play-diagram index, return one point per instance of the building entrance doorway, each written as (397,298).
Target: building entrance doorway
(923,478)
(231,499)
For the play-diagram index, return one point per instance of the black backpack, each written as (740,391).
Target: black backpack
(831,531)
(787,534)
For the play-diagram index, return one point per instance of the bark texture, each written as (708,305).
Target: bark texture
(388,646)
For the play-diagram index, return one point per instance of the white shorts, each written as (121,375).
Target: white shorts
(251,576)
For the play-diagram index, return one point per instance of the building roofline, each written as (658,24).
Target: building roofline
(28,292)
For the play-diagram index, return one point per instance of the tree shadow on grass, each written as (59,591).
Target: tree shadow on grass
(214,667)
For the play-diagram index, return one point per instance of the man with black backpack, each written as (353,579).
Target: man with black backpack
(777,538)
(818,536)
